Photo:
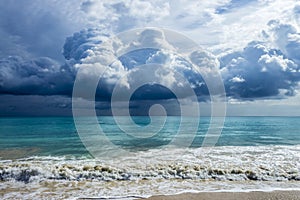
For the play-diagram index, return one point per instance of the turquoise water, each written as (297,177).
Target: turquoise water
(57,136)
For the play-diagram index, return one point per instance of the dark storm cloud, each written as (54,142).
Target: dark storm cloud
(31,37)
(41,76)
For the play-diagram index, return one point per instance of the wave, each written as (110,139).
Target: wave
(271,137)
(266,163)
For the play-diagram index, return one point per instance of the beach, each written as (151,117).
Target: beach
(255,195)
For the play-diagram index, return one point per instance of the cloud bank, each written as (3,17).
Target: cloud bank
(260,70)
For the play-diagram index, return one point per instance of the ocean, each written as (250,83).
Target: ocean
(45,158)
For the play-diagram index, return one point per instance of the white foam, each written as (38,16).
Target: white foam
(155,172)
(271,137)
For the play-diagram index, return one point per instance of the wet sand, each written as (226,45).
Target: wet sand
(16,153)
(275,195)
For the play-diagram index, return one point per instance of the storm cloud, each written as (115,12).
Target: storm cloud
(258,71)
(41,76)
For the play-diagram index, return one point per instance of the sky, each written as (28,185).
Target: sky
(253,44)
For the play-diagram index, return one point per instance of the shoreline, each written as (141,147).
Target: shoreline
(252,195)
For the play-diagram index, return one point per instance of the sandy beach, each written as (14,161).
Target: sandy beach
(274,195)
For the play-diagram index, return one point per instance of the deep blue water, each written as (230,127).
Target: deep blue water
(57,136)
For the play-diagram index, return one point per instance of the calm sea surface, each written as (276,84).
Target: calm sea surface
(57,136)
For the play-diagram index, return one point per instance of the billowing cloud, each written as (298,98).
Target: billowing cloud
(286,38)
(149,59)
(259,72)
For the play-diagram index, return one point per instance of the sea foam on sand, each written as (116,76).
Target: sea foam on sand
(154,172)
